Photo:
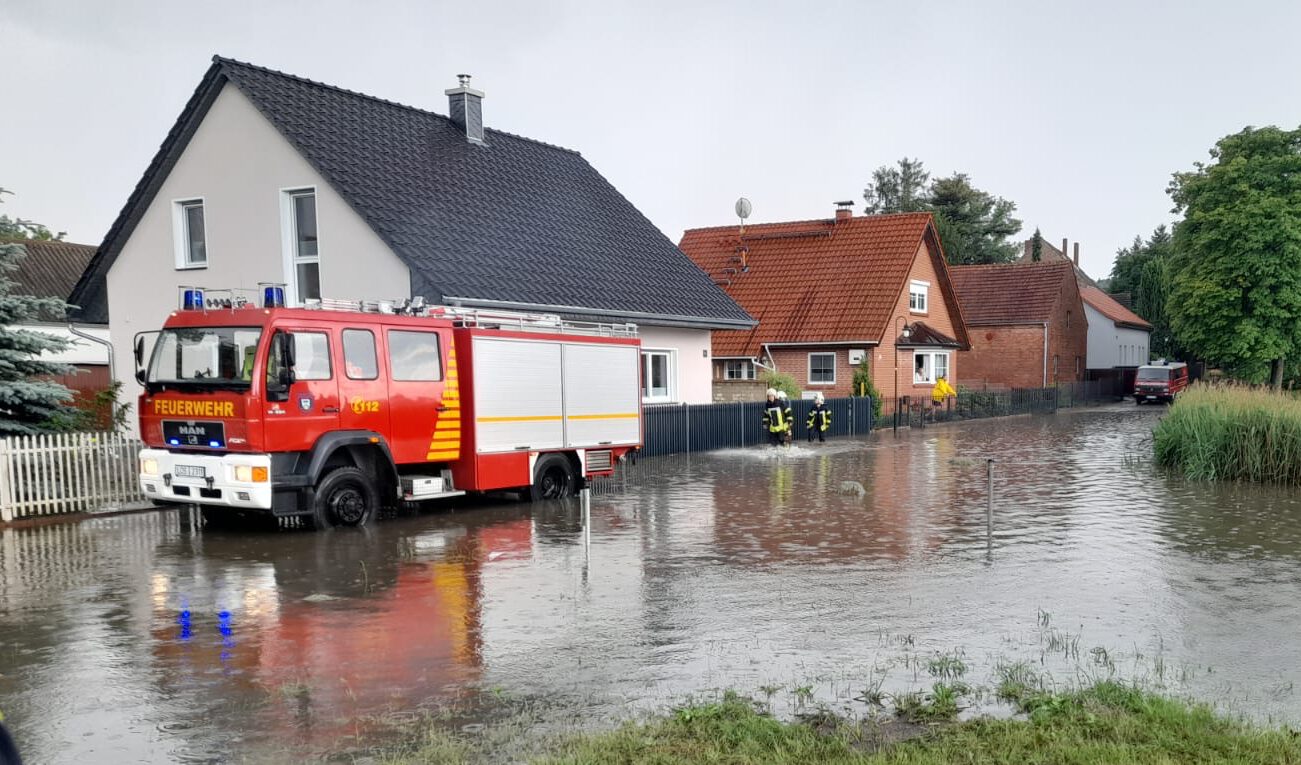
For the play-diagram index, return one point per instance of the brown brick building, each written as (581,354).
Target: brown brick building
(828,294)
(1026,322)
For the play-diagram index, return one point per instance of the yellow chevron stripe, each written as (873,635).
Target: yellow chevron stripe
(443,455)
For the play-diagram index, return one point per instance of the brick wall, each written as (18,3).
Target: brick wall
(731,391)
(1006,356)
(1013,355)
(795,362)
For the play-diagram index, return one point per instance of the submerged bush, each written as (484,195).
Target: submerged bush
(1232,433)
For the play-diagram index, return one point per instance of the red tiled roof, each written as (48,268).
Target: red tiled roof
(813,281)
(1107,306)
(1010,293)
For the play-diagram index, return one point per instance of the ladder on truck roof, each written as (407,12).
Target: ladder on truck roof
(478,317)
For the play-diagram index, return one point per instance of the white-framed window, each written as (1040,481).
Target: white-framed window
(822,369)
(658,376)
(918,293)
(189,233)
(301,245)
(738,369)
(929,366)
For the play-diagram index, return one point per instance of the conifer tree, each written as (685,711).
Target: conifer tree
(28,401)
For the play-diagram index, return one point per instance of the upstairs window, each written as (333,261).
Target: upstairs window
(298,209)
(189,234)
(918,293)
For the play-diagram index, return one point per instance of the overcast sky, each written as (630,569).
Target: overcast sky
(1077,112)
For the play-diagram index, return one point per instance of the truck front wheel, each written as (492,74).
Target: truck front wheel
(553,478)
(345,497)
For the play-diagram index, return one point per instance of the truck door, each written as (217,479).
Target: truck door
(363,390)
(309,406)
(424,411)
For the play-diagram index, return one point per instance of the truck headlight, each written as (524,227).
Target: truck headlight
(250,474)
(149,467)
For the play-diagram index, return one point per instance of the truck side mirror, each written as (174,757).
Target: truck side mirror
(280,372)
(140,351)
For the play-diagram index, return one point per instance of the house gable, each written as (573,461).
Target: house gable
(513,223)
(239,165)
(821,281)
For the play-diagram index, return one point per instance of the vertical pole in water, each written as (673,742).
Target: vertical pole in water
(586,496)
(989,502)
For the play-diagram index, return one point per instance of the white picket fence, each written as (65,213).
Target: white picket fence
(62,473)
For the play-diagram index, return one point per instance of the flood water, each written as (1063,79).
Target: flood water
(143,638)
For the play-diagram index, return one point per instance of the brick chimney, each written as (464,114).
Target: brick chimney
(844,210)
(465,107)
(1065,252)
(1077,254)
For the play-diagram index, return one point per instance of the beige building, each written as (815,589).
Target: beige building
(267,177)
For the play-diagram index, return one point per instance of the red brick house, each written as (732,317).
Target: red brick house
(828,294)
(1026,323)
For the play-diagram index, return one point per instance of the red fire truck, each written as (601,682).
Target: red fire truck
(334,410)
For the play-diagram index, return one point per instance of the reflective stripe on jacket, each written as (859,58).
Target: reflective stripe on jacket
(774,418)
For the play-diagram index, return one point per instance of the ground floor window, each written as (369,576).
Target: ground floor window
(738,369)
(657,376)
(822,368)
(929,366)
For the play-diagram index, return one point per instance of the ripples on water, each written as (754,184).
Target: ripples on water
(144,639)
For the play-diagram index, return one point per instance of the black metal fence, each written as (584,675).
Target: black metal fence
(686,428)
(690,428)
(973,405)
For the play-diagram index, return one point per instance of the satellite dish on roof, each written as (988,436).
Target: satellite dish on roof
(743,208)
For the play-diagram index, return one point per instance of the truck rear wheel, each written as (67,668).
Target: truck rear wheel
(345,497)
(553,478)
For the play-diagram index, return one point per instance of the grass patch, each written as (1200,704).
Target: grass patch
(1232,433)
(1107,723)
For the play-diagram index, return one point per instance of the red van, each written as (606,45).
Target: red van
(1161,381)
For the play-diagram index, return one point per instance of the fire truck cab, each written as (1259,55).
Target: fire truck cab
(332,411)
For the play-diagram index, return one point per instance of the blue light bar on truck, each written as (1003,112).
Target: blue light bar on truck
(273,296)
(192,300)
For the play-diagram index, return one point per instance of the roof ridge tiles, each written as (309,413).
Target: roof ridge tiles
(226,61)
(828,222)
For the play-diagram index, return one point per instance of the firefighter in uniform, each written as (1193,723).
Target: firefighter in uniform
(819,418)
(774,421)
(787,417)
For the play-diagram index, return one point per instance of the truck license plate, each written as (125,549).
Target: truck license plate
(189,471)
(1151,398)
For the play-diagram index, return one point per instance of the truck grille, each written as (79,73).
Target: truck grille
(600,461)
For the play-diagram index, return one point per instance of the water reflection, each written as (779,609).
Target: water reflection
(145,639)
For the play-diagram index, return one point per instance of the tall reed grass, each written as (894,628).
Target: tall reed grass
(1232,433)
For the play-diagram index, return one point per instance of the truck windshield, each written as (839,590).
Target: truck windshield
(207,356)
(1153,373)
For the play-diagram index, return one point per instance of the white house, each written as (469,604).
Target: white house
(1119,339)
(267,177)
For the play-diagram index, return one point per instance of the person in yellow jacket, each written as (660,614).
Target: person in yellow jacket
(819,419)
(774,418)
(941,391)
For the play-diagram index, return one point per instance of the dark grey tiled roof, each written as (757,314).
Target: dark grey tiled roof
(514,222)
(51,268)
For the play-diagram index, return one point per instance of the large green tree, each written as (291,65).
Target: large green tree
(974,226)
(1235,278)
(29,401)
(1143,269)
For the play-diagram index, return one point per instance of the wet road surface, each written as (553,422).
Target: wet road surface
(144,638)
